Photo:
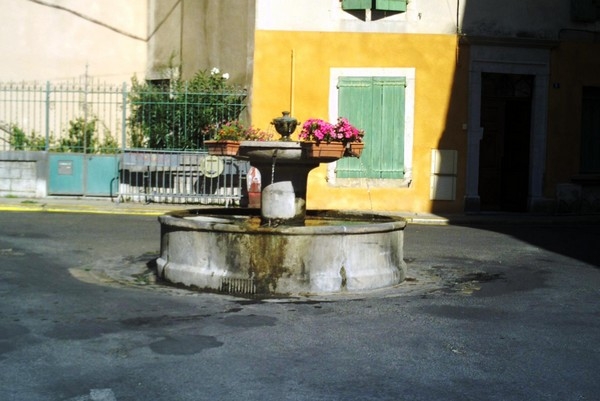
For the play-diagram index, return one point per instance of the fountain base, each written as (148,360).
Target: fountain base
(227,250)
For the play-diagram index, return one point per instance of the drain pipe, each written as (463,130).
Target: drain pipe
(292,79)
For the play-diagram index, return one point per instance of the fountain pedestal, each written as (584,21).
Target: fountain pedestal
(284,170)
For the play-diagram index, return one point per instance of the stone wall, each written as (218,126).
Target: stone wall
(23,174)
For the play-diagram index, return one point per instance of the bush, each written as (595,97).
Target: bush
(19,140)
(176,115)
(82,135)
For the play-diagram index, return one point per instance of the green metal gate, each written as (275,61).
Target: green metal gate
(80,174)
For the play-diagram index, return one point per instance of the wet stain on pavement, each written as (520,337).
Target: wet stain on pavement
(32,235)
(160,321)
(489,283)
(80,330)
(10,330)
(6,347)
(184,345)
(10,335)
(464,312)
(515,280)
(247,321)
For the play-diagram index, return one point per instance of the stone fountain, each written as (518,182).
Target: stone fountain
(281,248)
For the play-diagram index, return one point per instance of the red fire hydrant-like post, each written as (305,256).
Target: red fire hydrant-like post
(254,188)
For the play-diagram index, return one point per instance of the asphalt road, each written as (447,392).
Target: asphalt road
(489,312)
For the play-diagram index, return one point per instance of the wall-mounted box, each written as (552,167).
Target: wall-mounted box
(444,167)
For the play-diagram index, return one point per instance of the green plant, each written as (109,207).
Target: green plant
(19,140)
(235,131)
(80,136)
(36,142)
(255,134)
(109,144)
(175,114)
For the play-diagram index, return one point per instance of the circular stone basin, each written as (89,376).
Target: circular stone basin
(227,250)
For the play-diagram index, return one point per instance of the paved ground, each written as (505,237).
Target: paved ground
(502,308)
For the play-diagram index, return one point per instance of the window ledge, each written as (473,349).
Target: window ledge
(370,183)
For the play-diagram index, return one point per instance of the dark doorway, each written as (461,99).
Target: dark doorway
(504,149)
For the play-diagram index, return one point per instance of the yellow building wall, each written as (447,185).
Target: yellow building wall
(574,65)
(291,72)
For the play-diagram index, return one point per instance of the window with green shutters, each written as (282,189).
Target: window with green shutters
(356,4)
(382,5)
(375,105)
(390,5)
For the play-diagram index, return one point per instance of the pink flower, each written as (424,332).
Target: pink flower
(318,130)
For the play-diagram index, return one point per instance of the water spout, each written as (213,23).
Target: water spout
(273,166)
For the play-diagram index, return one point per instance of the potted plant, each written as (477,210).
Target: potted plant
(350,136)
(256,134)
(331,140)
(319,140)
(226,137)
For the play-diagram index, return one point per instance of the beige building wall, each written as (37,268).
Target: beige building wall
(53,40)
(194,35)
(421,17)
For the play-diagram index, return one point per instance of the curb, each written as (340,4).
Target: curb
(50,208)
(105,207)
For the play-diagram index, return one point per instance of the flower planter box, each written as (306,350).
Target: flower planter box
(323,150)
(354,149)
(222,148)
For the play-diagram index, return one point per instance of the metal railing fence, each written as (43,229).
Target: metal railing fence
(63,116)
(95,117)
(181,177)
(158,133)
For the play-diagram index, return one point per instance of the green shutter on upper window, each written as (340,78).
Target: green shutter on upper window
(390,5)
(356,4)
(375,105)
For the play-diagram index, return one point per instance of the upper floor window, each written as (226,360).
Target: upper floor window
(380,5)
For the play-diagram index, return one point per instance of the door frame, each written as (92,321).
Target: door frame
(504,166)
(509,58)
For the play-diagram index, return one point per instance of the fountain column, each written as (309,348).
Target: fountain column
(284,174)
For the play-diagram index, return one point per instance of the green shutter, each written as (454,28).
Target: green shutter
(376,105)
(355,103)
(356,4)
(390,5)
(391,120)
